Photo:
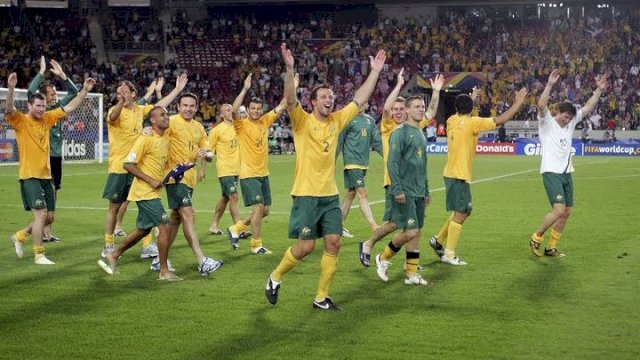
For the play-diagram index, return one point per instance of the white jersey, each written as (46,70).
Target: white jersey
(555,143)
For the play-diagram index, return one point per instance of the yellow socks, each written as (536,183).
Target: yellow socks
(555,238)
(239,227)
(146,241)
(287,263)
(38,249)
(328,268)
(444,231)
(256,243)
(22,235)
(537,238)
(452,241)
(108,239)
(389,251)
(413,260)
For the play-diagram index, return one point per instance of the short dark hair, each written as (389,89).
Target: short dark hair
(568,108)
(314,92)
(189,95)
(155,109)
(463,104)
(412,98)
(39,96)
(256,100)
(43,88)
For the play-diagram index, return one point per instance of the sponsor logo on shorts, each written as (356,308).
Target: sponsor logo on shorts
(185,200)
(306,231)
(258,198)
(559,197)
(411,222)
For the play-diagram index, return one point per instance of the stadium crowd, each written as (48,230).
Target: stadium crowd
(509,53)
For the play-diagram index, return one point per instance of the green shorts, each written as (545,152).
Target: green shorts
(313,217)
(150,214)
(256,190)
(179,196)
(559,188)
(458,195)
(409,215)
(388,202)
(117,188)
(37,194)
(354,178)
(228,185)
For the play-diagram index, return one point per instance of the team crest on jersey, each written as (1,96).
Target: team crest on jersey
(419,152)
(411,222)
(306,231)
(363,132)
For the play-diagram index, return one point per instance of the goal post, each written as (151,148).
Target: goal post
(82,129)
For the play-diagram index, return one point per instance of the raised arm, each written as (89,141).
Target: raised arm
(238,101)
(12,81)
(281,107)
(117,109)
(544,97)
(158,89)
(436,86)
(507,115)
(362,95)
(602,84)
(37,80)
(289,82)
(69,86)
(147,95)
(86,87)
(181,82)
(388,104)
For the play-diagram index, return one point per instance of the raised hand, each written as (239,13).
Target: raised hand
(475,92)
(602,81)
(12,81)
(151,86)
(287,56)
(553,77)
(120,93)
(43,65)
(181,81)
(437,83)
(247,82)
(521,95)
(88,84)
(159,84)
(56,69)
(378,62)
(400,78)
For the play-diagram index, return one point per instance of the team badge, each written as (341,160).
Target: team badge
(306,231)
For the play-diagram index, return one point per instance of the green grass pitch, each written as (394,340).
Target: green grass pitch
(506,304)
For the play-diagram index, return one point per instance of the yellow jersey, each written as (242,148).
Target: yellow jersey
(149,153)
(185,138)
(253,137)
(32,137)
(316,142)
(123,132)
(462,138)
(223,140)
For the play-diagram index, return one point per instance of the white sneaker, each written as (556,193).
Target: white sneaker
(18,245)
(107,249)
(381,268)
(149,251)
(416,280)
(155,265)
(120,233)
(40,259)
(452,261)
(260,250)
(346,233)
(208,266)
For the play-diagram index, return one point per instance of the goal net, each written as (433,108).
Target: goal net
(82,129)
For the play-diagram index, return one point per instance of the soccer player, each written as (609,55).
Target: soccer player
(188,142)
(223,141)
(253,140)
(355,142)
(316,208)
(147,160)
(32,136)
(555,133)
(124,124)
(55,134)
(394,114)
(407,166)
(462,138)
